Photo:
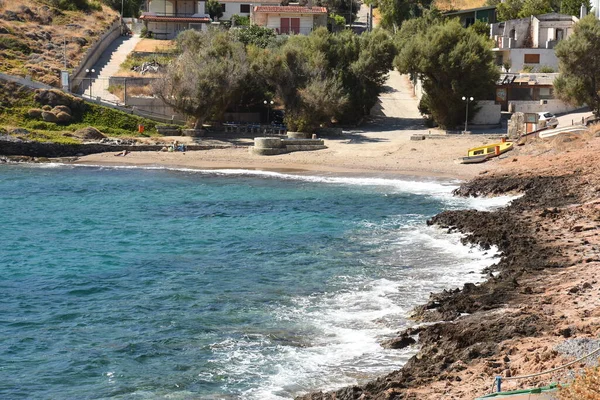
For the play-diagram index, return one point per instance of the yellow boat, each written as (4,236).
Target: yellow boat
(490,149)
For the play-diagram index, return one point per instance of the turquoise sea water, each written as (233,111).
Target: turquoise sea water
(126,283)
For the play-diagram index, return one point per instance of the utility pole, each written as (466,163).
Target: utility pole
(65,50)
(350,14)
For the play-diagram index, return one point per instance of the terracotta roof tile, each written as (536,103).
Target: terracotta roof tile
(290,9)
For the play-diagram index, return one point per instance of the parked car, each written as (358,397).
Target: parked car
(547,119)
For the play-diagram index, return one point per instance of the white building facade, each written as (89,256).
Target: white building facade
(289,20)
(528,43)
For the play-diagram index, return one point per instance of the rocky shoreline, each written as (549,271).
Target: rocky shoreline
(543,290)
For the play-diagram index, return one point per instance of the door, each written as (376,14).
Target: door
(295,25)
(285,25)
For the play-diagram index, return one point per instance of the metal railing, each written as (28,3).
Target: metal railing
(166,14)
(267,130)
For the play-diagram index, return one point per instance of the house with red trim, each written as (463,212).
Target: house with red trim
(167,18)
(289,20)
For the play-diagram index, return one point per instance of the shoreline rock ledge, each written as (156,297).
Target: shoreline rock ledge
(509,324)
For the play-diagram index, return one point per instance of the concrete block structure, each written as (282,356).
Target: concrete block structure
(530,41)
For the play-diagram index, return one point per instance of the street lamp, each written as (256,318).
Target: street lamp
(269,104)
(89,73)
(468,100)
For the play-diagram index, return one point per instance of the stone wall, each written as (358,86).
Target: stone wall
(51,150)
(489,113)
(553,105)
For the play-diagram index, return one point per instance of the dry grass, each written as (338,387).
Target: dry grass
(594,130)
(447,5)
(44,34)
(584,387)
(154,46)
(133,91)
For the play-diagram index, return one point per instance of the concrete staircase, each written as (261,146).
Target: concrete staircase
(108,65)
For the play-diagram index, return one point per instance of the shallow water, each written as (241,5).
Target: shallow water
(153,283)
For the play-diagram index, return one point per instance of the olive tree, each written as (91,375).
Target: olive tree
(451,62)
(579,65)
(206,76)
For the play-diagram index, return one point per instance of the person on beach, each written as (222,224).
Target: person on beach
(122,153)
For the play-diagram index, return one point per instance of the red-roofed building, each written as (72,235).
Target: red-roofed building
(288,20)
(166,18)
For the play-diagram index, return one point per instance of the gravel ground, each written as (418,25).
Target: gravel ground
(577,348)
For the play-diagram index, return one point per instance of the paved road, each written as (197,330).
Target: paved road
(397,107)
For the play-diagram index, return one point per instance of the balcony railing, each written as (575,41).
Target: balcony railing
(172,15)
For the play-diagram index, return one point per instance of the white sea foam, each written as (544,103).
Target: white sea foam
(348,325)
(441,189)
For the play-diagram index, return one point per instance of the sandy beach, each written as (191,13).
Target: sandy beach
(388,153)
(381,146)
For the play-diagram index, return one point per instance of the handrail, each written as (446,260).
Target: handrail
(498,380)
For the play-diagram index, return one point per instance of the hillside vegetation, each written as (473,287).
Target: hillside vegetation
(447,5)
(52,115)
(33,35)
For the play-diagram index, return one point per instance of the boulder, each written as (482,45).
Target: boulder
(89,133)
(55,97)
(18,131)
(49,117)
(399,343)
(63,117)
(35,113)
(63,109)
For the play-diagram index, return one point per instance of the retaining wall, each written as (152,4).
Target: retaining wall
(51,150)
(94,52)
(489,113)
(554,106)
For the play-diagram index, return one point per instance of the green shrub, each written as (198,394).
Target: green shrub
(11,43)
(546,69)
(527,68)
(239,20)
(41,125)
(76,5)
(145,33)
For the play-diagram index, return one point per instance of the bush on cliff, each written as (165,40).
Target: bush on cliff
(585,386)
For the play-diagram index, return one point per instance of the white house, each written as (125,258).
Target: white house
(531,41)
(289,19)
(166,18)
(237,7)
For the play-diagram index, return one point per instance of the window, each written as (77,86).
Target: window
(560,34)
(245,8)
(513,34)
(546,93)
(222,7)
(531,59)
(518,93)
